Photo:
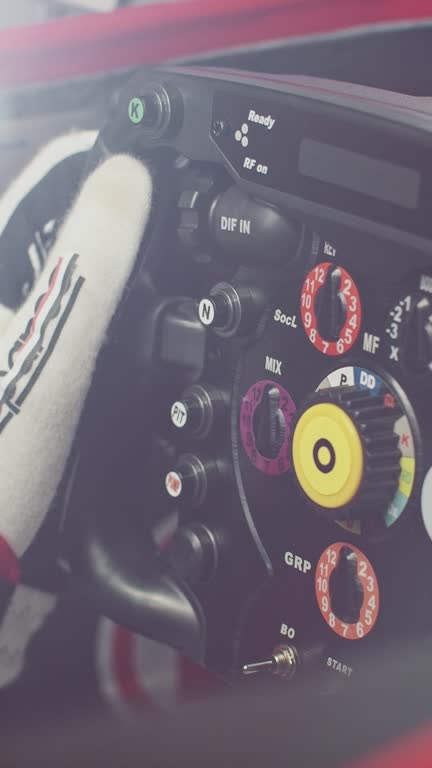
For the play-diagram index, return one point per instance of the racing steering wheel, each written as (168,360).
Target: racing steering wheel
(266,382)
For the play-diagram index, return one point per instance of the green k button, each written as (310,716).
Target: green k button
(136,110)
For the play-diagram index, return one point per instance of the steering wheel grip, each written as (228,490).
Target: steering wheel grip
(130,582)
(110,546)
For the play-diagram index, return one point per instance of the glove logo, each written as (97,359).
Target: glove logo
(31,350)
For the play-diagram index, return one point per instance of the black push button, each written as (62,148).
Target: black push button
(251,230)
(192,479)
(199,410)
(230,309)
(193,553)
(156,110)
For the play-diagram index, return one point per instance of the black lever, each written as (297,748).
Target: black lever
(331,306)
(346,590)
(269,423)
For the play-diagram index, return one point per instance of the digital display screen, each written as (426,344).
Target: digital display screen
(360,173)
(370,169)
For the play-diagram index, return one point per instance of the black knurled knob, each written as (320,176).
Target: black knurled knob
(346,453)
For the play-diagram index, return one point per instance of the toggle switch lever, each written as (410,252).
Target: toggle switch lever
(283,663)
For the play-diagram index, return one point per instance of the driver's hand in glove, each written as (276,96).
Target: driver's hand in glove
(49,343)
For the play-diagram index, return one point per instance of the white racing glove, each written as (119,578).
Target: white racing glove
(49,343)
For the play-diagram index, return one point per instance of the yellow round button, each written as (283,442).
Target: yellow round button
(328,455)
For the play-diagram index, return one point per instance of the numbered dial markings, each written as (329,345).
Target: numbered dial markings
(347,592)
(396,318)
(330,309)
(409,332)
(266,414)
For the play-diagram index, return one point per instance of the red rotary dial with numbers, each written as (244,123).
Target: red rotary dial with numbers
(358,600)
(330,309)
